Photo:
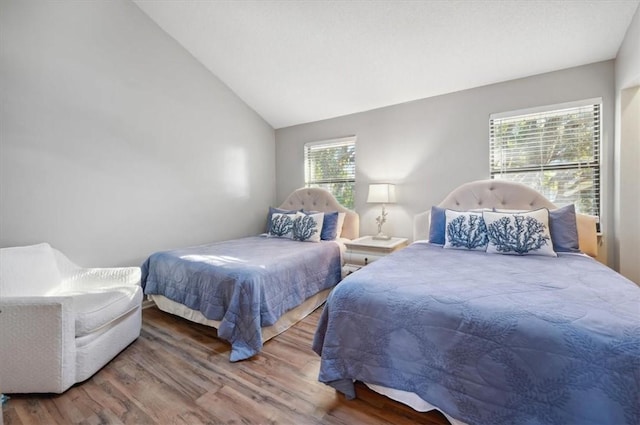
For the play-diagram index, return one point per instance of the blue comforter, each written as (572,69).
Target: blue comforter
(487,338)
(244,283)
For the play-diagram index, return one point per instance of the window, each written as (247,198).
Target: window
(331,164)
(554,149)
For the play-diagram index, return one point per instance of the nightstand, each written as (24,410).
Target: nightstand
(365,250)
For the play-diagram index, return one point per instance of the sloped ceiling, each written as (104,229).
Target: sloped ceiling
(295,62)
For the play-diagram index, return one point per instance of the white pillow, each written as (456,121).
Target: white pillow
(307,227)
(282,225)
(525,233)
(341,217)
(464,230)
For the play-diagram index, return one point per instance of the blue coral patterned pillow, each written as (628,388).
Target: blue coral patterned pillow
(282,225)
(307,227)
(273,211)
(524,233)
(465,230)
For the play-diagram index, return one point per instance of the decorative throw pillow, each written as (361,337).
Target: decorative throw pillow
(564,229)
(307,227)
(465,230)
(437,225)
(329,224)
(274,211)
(524,233)
(282,225)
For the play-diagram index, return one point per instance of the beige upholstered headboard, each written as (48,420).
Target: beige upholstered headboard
(317,199)
(505,195)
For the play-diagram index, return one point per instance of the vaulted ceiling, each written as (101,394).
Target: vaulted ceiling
(295,62)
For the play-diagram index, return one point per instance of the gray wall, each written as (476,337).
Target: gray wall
(115,142)
(430,146)
(627,152)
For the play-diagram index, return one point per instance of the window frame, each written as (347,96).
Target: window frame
(330,143)
(594,164)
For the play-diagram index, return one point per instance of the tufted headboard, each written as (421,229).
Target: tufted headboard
(318,199)
(504,195)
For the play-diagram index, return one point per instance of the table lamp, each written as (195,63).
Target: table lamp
(381,193)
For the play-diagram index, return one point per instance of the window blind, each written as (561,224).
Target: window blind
(331,164)
(556,151)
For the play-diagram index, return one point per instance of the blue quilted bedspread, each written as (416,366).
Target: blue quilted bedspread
(244,283)
(489,339)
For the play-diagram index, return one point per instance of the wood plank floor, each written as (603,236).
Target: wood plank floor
(178,372)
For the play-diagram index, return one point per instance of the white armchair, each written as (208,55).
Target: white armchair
(60,323)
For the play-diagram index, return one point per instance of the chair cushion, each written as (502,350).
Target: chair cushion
(93,310)
(28,271)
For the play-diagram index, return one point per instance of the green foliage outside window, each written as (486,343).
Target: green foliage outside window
(555,152)
(331,165)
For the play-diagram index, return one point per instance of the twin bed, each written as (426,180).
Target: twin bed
(484,337)
(487,337)
(253,288)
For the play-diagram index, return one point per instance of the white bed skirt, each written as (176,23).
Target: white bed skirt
(289,319)
(410,399)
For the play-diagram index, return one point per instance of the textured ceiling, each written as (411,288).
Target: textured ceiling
(301,61)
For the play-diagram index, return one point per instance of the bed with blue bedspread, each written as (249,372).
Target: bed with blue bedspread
(252,288)
(244,283)
(489,338)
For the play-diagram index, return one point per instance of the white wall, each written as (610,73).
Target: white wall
(430,146)
(115,142)
(627,152)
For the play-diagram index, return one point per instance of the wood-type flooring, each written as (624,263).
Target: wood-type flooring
(178,372)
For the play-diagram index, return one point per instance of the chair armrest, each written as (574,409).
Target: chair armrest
(94,278)
(37,353)
(76,278)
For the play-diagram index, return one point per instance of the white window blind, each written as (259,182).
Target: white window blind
(555,150)
(331,164)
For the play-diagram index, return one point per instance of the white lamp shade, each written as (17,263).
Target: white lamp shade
(382,193)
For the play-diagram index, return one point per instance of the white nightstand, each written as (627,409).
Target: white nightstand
(365,250)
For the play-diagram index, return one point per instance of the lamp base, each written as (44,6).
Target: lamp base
(381,237)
